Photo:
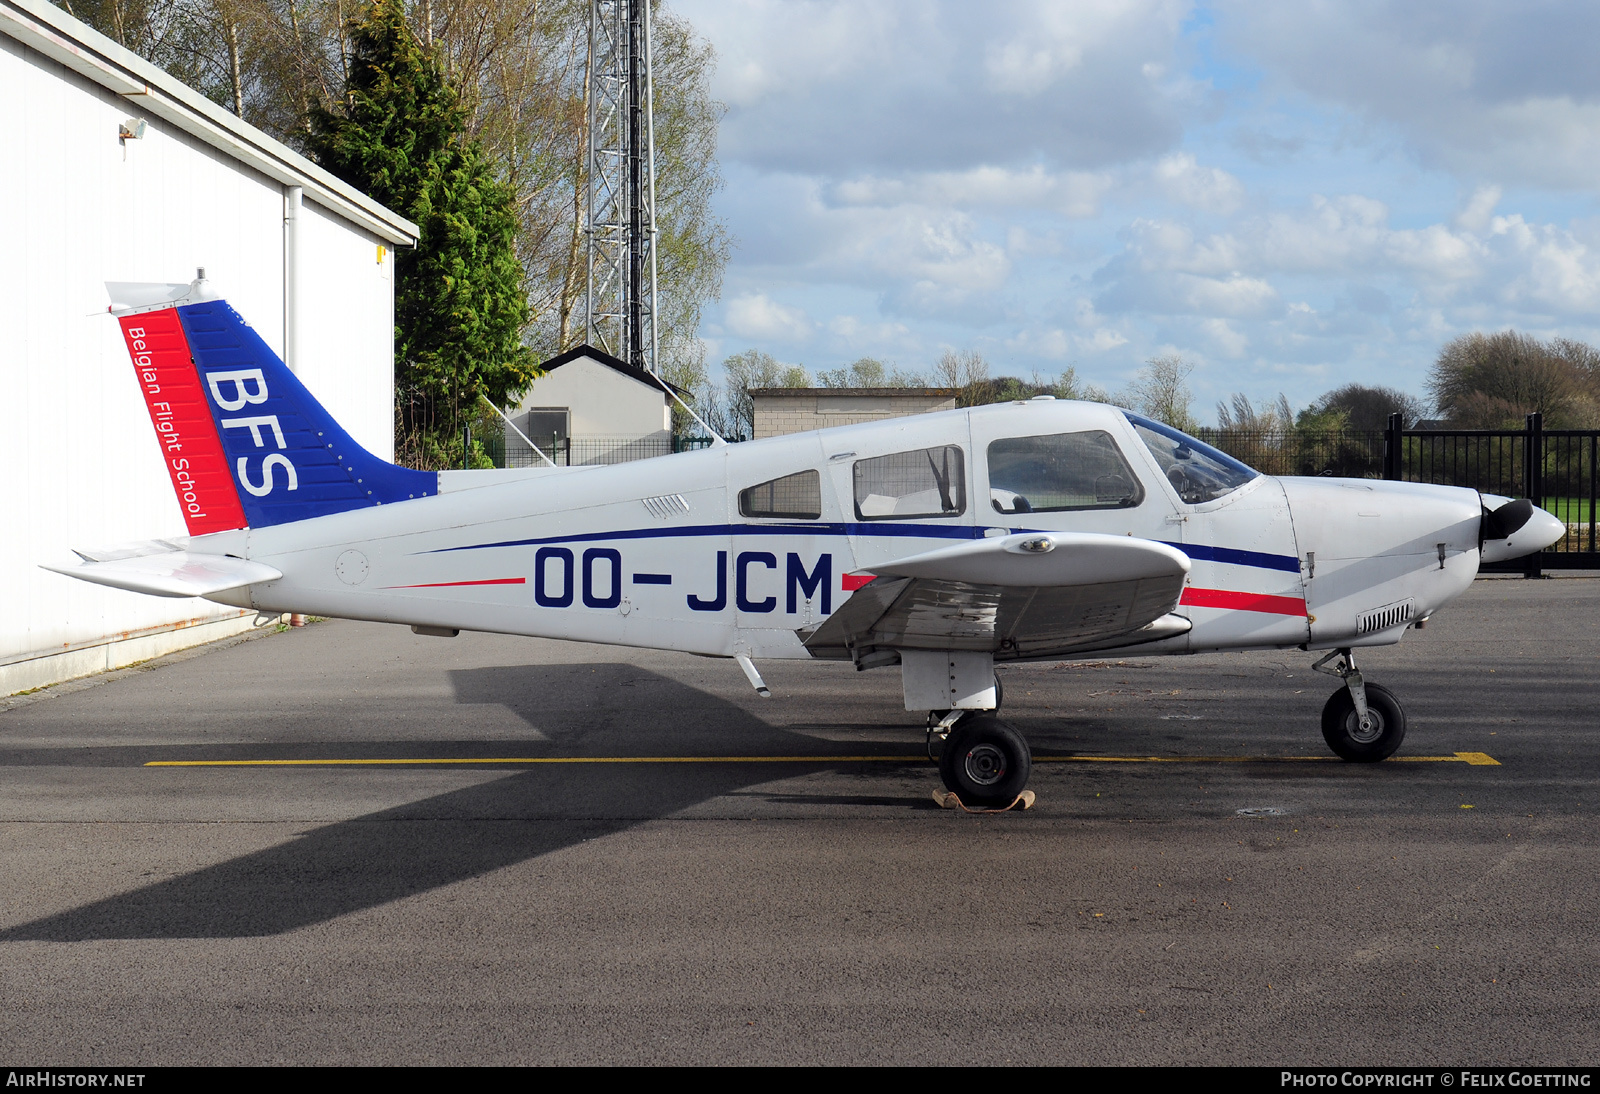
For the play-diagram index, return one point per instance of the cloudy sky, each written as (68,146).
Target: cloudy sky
(1291,196)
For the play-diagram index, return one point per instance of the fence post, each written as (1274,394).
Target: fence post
(1392,441)
(1533,477)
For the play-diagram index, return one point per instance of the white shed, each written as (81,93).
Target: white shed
(90,195)
(591,407)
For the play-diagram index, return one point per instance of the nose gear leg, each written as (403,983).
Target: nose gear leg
(1346,670)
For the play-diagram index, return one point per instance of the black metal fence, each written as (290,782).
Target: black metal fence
(1557,468)
(585,451)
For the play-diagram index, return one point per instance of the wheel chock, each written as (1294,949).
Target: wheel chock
(949,799)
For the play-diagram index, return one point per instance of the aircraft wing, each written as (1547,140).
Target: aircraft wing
(1030,595)
(161,568)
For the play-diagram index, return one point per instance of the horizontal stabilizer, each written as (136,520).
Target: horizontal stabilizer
(171,573)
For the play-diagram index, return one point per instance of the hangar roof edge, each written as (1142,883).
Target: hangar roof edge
(47,29)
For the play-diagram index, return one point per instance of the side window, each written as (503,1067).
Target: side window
(797,497)
(1060,472)
(927,482)
(547,423)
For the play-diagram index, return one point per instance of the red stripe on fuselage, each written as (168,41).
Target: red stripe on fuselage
(1243,602)
(453,584)
(178,409)
(851,582)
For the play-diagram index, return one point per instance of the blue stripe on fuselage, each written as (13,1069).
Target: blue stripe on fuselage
(1198,552)
(921,531)
(1259,559)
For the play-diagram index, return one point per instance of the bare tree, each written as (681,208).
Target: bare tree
(520,67)
(1161,390)
(968,373)
(870,372)
(1487,381)
(735,413)
(1240,415)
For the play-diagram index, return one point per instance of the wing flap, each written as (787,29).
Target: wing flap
(169,573)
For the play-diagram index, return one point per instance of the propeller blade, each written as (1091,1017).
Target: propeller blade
(1509,518)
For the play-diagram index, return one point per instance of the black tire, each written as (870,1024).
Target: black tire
(1342,729)
(985,761)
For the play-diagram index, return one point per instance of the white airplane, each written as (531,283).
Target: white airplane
(943,543)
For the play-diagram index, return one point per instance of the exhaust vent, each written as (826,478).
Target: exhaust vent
(1381,619)
(666,506)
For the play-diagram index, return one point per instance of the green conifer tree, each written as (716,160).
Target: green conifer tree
(460,306)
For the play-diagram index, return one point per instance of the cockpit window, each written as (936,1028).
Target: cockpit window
(1060,472)
(1196,471)
(793,497)
(926,482)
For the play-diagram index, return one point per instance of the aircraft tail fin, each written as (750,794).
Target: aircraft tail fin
(244,442)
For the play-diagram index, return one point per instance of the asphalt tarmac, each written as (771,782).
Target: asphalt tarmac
(1198,883)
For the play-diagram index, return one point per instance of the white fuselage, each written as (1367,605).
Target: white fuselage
(656,553)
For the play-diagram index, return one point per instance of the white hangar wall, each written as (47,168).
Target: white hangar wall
(305,259)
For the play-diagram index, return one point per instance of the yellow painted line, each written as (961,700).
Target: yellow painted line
(1477,759)
(543,760)
(1187,759)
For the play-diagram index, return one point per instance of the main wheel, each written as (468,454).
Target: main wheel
(1341,728)
(985,761)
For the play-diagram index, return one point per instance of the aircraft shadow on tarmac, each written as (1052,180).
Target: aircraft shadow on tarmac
(380,857)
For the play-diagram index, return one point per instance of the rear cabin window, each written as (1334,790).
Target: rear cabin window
(926,482)
(794,497)
(1060,472)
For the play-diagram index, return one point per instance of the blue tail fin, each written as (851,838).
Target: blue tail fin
(288,458)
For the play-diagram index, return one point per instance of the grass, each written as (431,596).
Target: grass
(1570,510)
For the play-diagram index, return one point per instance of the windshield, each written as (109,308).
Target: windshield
(1196,471)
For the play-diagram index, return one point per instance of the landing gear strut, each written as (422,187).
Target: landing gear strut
(1361,722)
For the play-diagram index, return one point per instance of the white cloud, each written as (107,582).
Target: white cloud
(856,335)
(1210,189)
(1104,338)
(1069,193)
(842,86)
(757,315)
(1554,272)
(1050,344)
(1474,216)
(1229,341)
(1500,91)
(1085,182)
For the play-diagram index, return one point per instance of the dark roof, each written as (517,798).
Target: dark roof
(631,371)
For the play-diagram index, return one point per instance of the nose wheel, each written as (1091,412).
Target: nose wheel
(1361,722)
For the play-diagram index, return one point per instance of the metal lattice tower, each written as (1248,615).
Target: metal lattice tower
(621,201)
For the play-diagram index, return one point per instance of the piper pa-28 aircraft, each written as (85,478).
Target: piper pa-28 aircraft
(943,543)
